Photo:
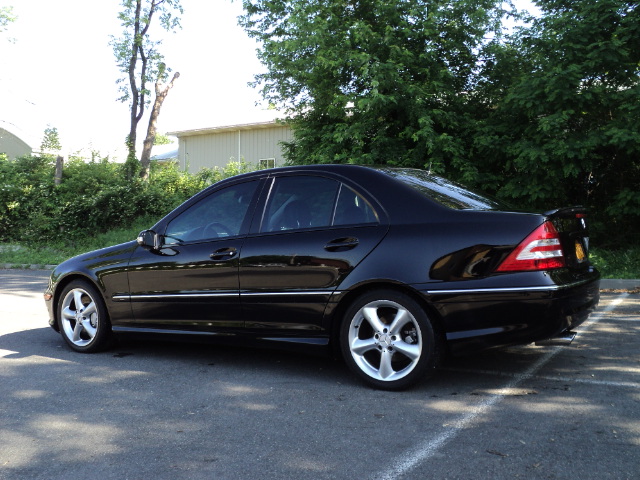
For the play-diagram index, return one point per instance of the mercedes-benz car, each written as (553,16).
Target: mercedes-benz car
(391,268)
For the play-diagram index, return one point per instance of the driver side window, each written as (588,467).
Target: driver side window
(218,215)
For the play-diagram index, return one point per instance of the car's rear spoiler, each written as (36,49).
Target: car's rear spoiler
(566,212)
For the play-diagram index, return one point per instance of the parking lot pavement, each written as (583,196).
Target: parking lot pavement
(171,411)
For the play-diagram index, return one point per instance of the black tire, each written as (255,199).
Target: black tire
(83,318)
(388,341)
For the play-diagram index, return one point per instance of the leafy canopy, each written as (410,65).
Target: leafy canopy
(373,81)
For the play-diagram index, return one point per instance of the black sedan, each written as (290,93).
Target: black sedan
(393,268)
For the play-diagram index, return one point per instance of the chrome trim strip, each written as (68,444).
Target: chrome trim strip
(548,288)
(280,294)
(157,296)
(118,328)
(175,295)
(495,290)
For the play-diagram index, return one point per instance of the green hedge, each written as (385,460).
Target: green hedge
(93,197)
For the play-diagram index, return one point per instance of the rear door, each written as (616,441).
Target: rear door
(314,231)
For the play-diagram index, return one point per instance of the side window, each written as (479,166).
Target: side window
(353,209)
(218,215)
(300,202)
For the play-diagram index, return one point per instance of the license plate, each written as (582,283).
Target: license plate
(580,255)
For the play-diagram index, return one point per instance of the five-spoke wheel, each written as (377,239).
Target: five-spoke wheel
(388,340)
(82,317)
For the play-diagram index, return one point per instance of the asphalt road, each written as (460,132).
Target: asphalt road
(182,411)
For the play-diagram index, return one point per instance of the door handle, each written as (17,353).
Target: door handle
(342,244)
(224,254)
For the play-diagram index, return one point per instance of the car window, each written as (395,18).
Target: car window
(445,192)
(300,202)
(353,209)
(218,215)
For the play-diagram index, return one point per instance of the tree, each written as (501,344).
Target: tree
(566,127)
(51,140)
(372,81)
(162,139)
(6,17)
(139,59)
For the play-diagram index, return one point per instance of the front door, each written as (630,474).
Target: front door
(191,283)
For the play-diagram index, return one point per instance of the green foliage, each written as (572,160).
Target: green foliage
(52,251)
(373,81)
(161,139)
(566,130)
(547,116)
(50,140)
(141,63)
(93,198)
(6,17)
(136,44)
(617,263)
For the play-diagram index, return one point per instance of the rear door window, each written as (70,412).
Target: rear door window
(300,202)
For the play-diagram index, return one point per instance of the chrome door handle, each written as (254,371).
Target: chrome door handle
(224,254)
(341,244)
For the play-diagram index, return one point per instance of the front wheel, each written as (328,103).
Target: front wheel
(83,318)
(388,341)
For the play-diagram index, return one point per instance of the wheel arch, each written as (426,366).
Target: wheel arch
(66,280)
(337,315)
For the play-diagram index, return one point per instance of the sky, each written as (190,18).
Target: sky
(59,71)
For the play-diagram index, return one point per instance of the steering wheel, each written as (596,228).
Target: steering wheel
(216,230)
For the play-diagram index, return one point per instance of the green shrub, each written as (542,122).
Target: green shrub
(94,197)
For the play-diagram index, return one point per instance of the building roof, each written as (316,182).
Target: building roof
(228,128)
(164,152)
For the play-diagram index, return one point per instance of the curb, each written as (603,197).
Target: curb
(620,284)
(21,266)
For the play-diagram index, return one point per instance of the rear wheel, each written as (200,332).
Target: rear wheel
(83,318)
(388,341)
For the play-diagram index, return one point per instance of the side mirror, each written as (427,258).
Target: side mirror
(149,239)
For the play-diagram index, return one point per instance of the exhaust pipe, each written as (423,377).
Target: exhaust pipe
(564,338)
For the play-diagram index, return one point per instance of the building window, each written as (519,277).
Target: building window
(266,163)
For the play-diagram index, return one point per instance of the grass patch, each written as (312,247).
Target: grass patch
(56,252)
(623,263)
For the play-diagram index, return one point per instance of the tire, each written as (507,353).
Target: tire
(83,318)
(388,341)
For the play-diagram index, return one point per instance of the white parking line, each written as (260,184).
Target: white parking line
(587,381)
(428,448)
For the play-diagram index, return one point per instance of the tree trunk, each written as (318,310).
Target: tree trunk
(161,93)
(57,179)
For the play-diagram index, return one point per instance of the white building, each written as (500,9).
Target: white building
(254,143)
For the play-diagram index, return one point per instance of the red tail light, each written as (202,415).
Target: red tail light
(541,250)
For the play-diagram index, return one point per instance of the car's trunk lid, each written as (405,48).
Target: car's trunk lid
(571,224)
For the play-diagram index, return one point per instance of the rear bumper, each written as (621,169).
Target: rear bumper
(493,316)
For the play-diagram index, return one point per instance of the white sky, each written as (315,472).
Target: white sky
(61,72)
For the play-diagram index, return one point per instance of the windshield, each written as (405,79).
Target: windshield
(443,191)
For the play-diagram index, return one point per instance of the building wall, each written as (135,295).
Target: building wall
(216,147)
(12,145)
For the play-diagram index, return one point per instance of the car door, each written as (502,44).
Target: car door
(314,231)
(191,281)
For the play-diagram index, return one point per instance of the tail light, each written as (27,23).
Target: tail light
(541,250)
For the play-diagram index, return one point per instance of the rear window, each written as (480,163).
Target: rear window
(445,192)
